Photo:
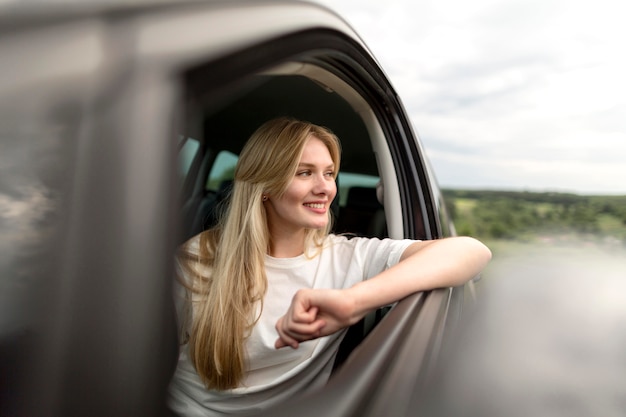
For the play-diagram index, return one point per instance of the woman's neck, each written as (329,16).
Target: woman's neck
(286,245)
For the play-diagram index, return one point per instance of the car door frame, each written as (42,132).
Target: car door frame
(386,373)
(122,301)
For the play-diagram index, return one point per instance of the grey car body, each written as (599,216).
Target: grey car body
(113,120)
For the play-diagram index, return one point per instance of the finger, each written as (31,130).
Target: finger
(284,341)
(288,337)
(305,316)
(301,331)
(284,336)
(280,343)
(291,339)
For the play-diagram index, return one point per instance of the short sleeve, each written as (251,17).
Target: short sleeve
(360,258)
(378,255)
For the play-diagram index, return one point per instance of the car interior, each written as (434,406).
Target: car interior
(208,156)
(213,138)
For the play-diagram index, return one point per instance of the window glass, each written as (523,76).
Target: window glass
(223,170)
(346,180)
(447,226)
(186,154)
(36,169)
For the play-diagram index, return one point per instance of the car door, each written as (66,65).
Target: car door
(131,134)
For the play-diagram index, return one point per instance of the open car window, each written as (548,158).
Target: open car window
(307,92)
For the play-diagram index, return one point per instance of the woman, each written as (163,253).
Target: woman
(268,293)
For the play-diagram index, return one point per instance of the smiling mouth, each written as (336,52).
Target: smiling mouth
(315,205)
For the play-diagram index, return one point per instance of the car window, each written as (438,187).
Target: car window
(347,180)
(222,171)
(188,150)
(37,162)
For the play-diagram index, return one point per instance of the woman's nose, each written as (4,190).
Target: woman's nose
(324,185)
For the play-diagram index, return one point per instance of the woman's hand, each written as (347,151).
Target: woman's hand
(315,313)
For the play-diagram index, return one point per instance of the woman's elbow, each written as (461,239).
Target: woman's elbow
(478,253)
(481,249)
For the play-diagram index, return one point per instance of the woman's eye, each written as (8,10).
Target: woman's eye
(304,173)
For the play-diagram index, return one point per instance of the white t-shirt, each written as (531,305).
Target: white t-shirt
(274,376)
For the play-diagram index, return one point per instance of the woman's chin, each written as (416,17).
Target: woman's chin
(318,226)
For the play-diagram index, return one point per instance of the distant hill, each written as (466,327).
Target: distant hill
(489,214)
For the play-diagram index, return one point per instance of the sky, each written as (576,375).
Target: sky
(507,94)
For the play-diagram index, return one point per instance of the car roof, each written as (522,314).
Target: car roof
(16,15)
(207,28)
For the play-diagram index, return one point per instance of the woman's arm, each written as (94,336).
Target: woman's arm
(423,266)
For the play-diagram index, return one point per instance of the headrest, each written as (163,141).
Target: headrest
(363,197)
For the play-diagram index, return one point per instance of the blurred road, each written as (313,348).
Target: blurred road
(547,337)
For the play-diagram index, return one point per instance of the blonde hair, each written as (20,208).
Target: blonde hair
(231,280)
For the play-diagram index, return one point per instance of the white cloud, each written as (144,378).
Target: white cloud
(526,93)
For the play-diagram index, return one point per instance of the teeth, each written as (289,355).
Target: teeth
(315,206)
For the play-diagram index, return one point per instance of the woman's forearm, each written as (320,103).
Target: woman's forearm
(423,266)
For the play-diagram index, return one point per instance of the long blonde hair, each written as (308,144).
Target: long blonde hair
(229,270)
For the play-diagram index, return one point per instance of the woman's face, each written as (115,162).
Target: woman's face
(306,202)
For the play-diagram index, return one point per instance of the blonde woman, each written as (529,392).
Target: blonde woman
(267,294)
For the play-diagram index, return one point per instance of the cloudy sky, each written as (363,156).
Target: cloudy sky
(508,94)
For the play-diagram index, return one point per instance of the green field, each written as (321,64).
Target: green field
(529,216)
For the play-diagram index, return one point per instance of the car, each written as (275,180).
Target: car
(120,128)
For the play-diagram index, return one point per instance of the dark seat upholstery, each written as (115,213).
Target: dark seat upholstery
(209,209)
(363,215)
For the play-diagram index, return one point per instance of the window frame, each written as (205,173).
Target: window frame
(347,60)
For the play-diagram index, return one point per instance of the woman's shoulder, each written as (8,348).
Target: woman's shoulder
(347,241)
(347,238)
(366,243)
(195,256)
(192,245)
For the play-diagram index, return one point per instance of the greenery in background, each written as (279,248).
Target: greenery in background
(530,215)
